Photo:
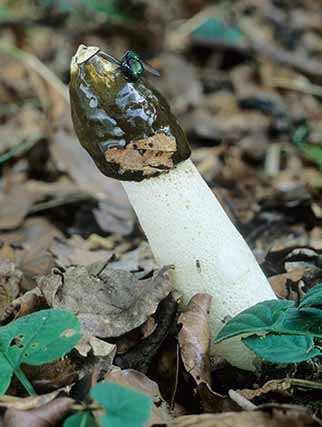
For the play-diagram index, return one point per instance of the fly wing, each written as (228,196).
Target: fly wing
(151,70)
(109,58)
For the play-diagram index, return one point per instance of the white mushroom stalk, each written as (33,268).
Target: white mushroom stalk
(132,135)
(186,226)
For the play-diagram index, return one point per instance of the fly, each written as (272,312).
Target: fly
(131,64)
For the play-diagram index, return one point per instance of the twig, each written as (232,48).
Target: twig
(300,84)
(24,146)
(241,400)
(272,160)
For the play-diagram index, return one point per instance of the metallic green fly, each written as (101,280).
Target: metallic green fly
(131,64)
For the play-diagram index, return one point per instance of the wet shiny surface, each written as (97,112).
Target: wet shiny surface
(109,112)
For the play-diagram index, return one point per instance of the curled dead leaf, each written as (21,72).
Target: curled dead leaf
(194,338)
(26,403)
(47,415)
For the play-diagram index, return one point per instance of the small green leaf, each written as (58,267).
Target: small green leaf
(35,339)
(4,13)
(312,152)
(258,318)
(81,419)
(110,8)
(282,348)
(312,297)
(215,29)
(124,406)
(42,337)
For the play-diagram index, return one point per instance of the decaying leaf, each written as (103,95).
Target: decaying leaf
(114,217)
(47,415)
(77,251)
(213,402)
(138,260)
(279,281)
(26,403)
(10,278)
(140,382)
(108,302)
(29,124)
(15,205)
(282,386)
(51,376)
(150,155)
(99,347)
(27,303)
(293,416)
(28,248)
(194,338)
(72,159)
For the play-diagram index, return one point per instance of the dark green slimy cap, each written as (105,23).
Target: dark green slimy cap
(127,127)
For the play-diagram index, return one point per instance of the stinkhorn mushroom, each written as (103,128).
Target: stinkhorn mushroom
(131,134)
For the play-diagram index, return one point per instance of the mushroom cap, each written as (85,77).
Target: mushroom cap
(127,127)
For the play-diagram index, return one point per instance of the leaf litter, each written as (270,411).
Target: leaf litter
(248,96)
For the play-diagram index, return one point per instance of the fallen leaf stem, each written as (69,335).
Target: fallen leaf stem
(83,407)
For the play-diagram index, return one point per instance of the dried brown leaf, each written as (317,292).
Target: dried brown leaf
(15,205)
(28,248)
(288,417)
(27,303)
(211,401)
(51,376)
(10,279)
(35,258)
(47,415)
(28,123)
(139,259)
(194,338)
(108,302)
(280,281)
(114,217)
(150,155)
(77,251)
(71,158)
(26,403)
(99,347)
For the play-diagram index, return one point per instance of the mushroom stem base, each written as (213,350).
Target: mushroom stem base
(186,226)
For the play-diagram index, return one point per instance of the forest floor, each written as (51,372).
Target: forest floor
(244,79)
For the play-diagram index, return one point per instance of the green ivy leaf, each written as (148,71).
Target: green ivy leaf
(35,339)
(283,348)
(293,321)
(312,297)
(258,318)
(81,419)
(124,406)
